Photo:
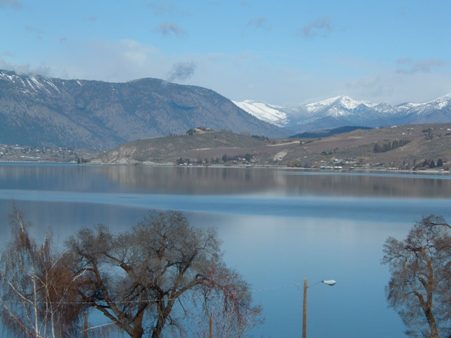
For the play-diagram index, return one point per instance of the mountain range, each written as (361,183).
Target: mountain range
(42,111)
(344,111)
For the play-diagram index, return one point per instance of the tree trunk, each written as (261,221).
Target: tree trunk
(138,330)
(164,313)
(156,333)
(430,288)
(432,324)
(137,333)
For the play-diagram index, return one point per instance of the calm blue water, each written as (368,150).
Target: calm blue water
(277,227)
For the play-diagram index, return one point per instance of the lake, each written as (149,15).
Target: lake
(277,227)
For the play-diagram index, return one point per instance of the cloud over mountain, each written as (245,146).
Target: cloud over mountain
(320,27)
(170,29)
(181,71)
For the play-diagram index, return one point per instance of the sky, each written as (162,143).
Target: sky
(281,52)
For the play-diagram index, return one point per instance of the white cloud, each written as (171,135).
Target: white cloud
(182,71)
(260,22)
(25,68)
(166,8)
(411,66)
(170,29)
(320,27)
(119,61)
(395,87)
(240,75)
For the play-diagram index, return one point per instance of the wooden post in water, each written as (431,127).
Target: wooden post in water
(211,327)
(304,310)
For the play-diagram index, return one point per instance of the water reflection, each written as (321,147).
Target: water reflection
(274,254)
(277,227)
(182,180)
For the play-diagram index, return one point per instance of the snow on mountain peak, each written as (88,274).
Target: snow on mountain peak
(265,112)
(420,108)
(338,102)
(7,75)
(442,101)
(30,83)
(350,103)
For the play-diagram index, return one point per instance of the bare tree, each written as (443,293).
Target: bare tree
(154,277)
(420,284)
(36,287)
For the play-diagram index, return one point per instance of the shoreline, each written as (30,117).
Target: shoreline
(386,171)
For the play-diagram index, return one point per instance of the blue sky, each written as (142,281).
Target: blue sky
(281,52)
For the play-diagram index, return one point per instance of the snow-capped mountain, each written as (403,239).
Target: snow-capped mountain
(344,111)
(440,103)
(336,106)
(37,110)
(342,106)
(31,84)
(264,111)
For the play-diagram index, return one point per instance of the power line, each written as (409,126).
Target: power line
(149,301)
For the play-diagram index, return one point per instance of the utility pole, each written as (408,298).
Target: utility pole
(330,282)
(304,311)
(211,326)
(85,324)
